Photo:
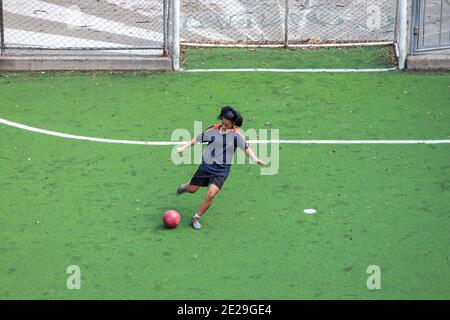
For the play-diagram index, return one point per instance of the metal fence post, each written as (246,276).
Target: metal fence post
(2,30)
(165,26)
(397,5)
(414,26)
(286,24)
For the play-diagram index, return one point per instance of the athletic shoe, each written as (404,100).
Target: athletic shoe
(196,223)
(182,189)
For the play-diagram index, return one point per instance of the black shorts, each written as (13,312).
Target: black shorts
(204,178)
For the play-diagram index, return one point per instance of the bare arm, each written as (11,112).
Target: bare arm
(242,144)
(249,152)
(185,146)
(203,137)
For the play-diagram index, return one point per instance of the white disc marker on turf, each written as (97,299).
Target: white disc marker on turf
(310,211)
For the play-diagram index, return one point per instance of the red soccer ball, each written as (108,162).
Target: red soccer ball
(171,219)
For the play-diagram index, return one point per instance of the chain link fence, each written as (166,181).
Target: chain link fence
(143,26)
(127,25)
(296,21)
(247,21)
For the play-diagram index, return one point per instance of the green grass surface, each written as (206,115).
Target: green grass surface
(366,57)
(99,206)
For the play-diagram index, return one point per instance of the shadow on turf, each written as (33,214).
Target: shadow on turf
(160,227)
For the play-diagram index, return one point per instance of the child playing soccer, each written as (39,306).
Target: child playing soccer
(222,139)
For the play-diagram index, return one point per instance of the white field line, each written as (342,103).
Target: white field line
(340,45)
(170,143)
(212,45)
(323,45)
(71,136)
(351,141)
(313,70)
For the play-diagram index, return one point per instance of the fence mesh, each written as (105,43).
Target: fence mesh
(342,21)
(204,21)
(84,24)
(145,24)
(264,21)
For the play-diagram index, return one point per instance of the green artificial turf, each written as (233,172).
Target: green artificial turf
(99,206)
(359,57)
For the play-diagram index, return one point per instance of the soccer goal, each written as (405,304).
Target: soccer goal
(334,30)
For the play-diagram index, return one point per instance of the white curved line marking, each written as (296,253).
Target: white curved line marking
(171,143)
(71,136)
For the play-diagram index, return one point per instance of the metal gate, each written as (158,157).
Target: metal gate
(136,26)
(431,25)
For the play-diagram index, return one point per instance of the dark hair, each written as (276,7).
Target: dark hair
(229,113)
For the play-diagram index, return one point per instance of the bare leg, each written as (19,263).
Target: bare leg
(204,206)
(186,187)
(206,203)
(192,188)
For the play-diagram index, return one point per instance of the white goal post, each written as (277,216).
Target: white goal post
(176,16)
(402,33)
